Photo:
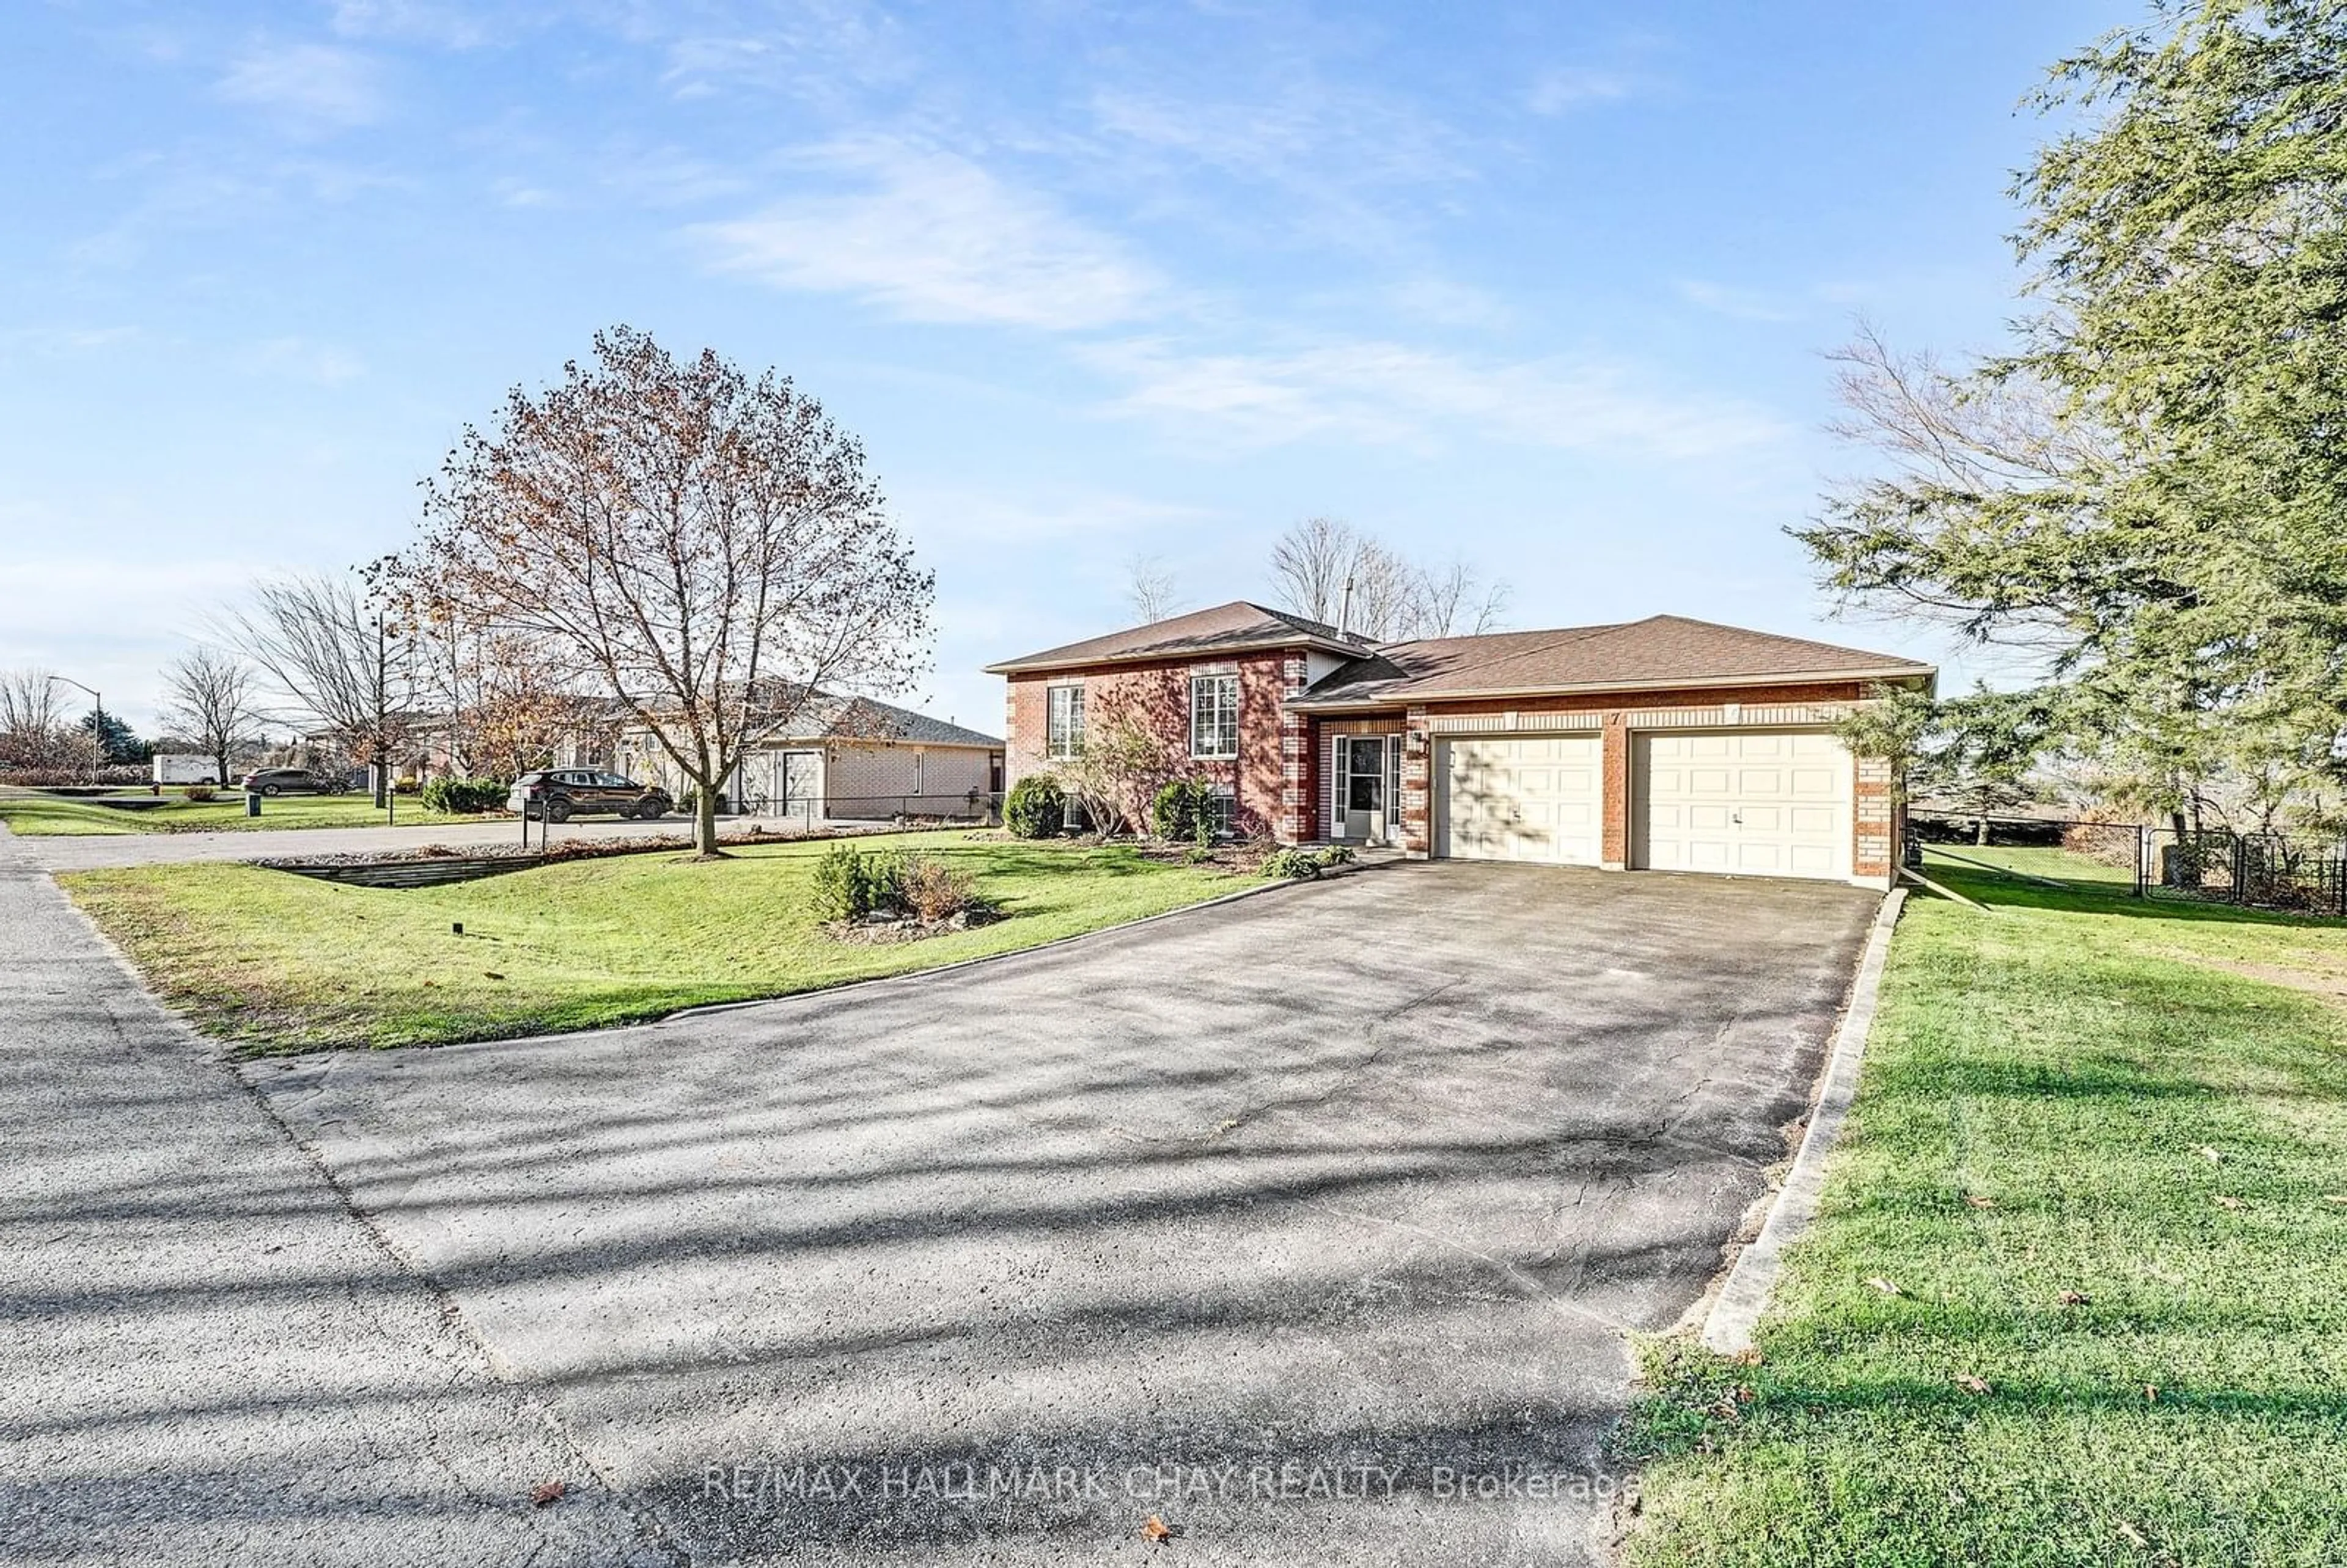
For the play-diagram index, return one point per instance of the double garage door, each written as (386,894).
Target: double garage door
(1755,802)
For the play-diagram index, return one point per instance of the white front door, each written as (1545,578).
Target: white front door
(1362,796)
(1522,798)
(1756,802)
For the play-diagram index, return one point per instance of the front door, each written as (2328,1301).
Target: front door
(1363,787)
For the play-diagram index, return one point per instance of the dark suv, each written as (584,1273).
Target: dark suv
(294,780)
(564,793)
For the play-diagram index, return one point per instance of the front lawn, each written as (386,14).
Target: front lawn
(31,813)
(2099,1160)
(280,962)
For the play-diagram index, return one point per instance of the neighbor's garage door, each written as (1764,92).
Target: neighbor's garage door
(1756,802)
(1519,798)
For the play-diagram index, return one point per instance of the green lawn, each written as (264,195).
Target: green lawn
(2060,864)
(30,813)
(2101,1074)
(277,962)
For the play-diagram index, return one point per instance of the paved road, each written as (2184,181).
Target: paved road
(83,852)
(204,1358)
(1231,1218)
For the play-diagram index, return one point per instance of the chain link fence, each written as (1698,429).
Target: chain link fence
(2296,873)
(975,809)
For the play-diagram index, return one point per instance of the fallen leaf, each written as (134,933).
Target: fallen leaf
(2131,1535)
(1971,1384)
(1156,1529)
(1748,1356)
(2211,1155)
(2073,1299)
(2226,1202)
(2151,1392)
(1885,1286)
(1978,1202)
(551,1491)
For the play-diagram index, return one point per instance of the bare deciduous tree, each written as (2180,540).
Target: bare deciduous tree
(33,722)
(1152,588)
(211,696)
(1327,569)
(710,546)
(340,659)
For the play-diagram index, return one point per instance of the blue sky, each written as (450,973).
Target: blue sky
(1542,286)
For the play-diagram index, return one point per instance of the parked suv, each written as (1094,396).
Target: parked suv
(294,780)
(566,792)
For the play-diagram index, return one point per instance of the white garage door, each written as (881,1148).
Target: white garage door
(1756,802)
(1520,798)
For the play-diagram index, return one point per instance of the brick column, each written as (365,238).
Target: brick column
(1613,843)
(1417,786)
(1873,846)
(1297,795)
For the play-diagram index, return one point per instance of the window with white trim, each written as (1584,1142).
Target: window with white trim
(1063,721)
(1213,715)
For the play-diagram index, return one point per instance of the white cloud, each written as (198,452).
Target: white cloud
(315,84)
(1744,304)
(1394,394)
(1564,88)
(931,236)
(448,27)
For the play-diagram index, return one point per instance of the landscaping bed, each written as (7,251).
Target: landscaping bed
(2077,1290)
(273,962)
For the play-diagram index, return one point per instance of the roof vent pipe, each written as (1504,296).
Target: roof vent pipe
(1345,610)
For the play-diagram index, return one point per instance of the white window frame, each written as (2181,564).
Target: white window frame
(1074,692)
(1228,714)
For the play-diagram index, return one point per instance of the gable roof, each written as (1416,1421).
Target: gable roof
(829,716)
(1662,651)
(826,717)
(1225,628)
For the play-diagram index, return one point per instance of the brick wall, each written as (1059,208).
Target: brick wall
(1158,692)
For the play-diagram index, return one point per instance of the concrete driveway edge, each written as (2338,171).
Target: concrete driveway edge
(1752,1279)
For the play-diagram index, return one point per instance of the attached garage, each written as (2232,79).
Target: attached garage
(1521,797)
(1753,803)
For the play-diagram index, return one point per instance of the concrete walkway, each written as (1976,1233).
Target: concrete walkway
(204,1357)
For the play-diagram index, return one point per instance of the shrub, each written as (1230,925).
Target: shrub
(1036,807)
(934,890)
(1304,864)
(1300,865)
(202,792)
(1184,808)
(839,886)
(461,797)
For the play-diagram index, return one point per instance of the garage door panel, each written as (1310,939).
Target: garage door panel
(1755,802)
(1520,798)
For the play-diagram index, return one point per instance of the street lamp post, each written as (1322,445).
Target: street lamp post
(97,722)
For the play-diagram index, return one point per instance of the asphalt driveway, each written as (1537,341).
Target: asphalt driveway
(1312,1224)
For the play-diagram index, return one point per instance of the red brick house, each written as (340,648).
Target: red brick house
(1662,743)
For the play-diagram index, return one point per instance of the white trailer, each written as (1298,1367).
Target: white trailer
(177,768)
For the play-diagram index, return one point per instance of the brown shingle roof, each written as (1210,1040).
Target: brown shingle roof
(1660,650)
(1226,627)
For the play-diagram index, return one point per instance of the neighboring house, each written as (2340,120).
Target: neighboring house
(849,758)
(1662,743)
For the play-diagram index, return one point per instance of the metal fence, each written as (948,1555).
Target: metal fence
(2293,872)
(977,807)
